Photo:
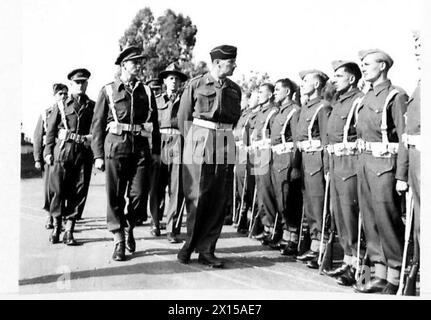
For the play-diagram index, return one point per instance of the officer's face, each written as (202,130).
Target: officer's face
(60,95)
(78,86)
(342,79)
(226,67)
(172,83)
(132,67)
(280,92)
(308,84)
(264,94)
(371,68)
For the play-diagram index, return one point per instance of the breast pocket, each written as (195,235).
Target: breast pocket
(205,99)
(121,106)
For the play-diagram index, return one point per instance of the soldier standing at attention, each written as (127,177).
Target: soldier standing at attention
(380,126)
(39,142)
(171,151)
(210,107)
(71,155)
(343,158)
(312,138)
(126,109)
(285,189)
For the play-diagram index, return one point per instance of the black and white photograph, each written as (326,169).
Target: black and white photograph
(217,150)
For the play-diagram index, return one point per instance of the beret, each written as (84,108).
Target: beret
(174,69)
(323,75)
(223,52)
(353,66)
(79,74)
(380,54)
(129,53)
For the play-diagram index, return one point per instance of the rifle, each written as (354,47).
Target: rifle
(304,238)
(409,218)
(180,216)
(358,254)
(253,216)
(325,213)
(275,226)
(234,195)
(326,263)
(242,197)
(410,287)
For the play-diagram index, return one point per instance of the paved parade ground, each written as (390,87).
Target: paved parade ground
(48,268)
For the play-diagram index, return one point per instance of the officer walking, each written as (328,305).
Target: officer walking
(71,155)
(209,108)
(343,158)
(39,142)
(312,138)
(380,127)
(171,151)
(126,109)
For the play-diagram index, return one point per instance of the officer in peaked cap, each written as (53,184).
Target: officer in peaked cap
(67,147)
(210,107)
(312,138)
(380,125)
(343,158)
(169,172)
(125,118)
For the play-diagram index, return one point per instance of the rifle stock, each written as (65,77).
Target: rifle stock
(328,254)
(410,287)
(304,235)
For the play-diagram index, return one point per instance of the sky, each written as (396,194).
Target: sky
(274,36)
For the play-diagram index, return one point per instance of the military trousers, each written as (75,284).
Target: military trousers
(313,192)
(344,200)
(127,176)
(379,204)
(69,181)
(207,183)
(415,183)
(46,191)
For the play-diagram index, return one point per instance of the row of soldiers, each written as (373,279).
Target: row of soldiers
(285,157)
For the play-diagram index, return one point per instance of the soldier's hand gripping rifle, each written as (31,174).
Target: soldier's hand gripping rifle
(325,213)
(409,219)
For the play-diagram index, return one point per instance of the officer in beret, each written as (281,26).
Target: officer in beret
(312,138)
(68,149)
(209,109)
(380,125)
(171,148)
(410,155)
(125,118)
(343,158)
(39,141)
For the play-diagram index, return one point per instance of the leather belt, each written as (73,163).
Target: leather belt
(283,147)
(170,131)
(343,149)
(310,145)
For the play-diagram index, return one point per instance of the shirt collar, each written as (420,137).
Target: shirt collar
(348,94)
(314,101)
(382,86)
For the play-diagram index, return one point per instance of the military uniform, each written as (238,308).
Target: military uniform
(126,151)
(343,161)
(284,194)
(71,172)
(208,112)
(39,142)
(312,137)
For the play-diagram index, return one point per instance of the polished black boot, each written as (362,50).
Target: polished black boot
(54,237)
(347,278)
(119,252)
(130,240)
(68,234)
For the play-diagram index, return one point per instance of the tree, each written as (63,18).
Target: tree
(170,38)
(252,81)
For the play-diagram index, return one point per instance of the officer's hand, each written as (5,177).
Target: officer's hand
(295,174)
(49,159)
(401,187)
(156,158)
(38,165)
(99,164)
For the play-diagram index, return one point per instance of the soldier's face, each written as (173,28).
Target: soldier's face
(227,67)
(308,85)
(78,86)
(172,83)
(371,68)
(132,67)
(264,94)
(280,92)
(342,79)
(60,95)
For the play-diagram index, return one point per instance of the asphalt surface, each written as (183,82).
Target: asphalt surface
(47,268)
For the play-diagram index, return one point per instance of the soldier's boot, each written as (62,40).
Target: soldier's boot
(130,239)
(49,224)
(68,234)
(119,246)
(55,235)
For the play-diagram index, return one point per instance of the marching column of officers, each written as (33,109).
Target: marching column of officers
(287,162)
